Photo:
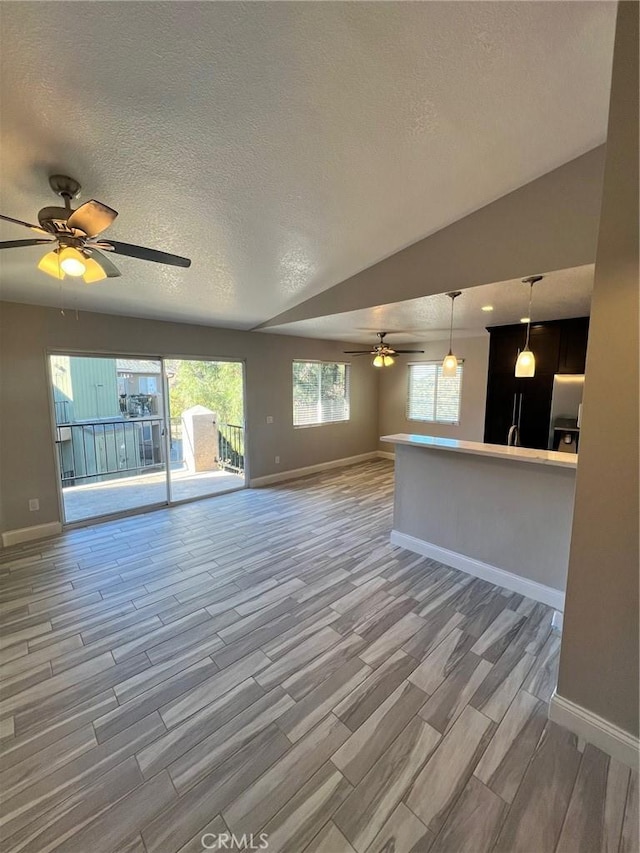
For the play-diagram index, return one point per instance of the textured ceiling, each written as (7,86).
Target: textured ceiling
(560,294)
(283,146)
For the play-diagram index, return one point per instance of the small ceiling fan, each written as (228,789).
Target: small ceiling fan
(383,353)
(76,234)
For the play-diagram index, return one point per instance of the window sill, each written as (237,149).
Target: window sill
(320,424)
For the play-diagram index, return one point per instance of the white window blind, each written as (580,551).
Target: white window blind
(433,397)
(320,392)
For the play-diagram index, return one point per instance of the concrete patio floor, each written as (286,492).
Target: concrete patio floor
(124,493)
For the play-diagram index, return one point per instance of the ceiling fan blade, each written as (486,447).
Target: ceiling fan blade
(16,244)
(21,222)
(145,254)
(357,352)
(107,265)
(92,217)
(406,351)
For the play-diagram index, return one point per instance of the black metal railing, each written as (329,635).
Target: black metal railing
(231,447)
(91,450)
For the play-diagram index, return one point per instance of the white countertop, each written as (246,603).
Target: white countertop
(477,448)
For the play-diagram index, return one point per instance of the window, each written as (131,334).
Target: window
(320,392)
(433,397)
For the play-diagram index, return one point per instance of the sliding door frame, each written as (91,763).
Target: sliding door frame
(97,519)
(214,360)
(83,353)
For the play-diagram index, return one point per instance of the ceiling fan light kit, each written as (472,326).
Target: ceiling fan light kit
(76,235)
(450,362)
(384,355)
(383,361)
(72,262)
(526,362)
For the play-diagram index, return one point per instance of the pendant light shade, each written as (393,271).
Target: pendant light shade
(526,365)
(450,366)
(450,363)
(526,362)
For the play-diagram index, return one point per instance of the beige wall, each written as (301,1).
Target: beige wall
(599,658)
(392,403)
(27,466)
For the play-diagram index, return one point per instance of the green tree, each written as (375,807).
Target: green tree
(214,384)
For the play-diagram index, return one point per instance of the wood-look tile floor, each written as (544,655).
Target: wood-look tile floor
(267,662)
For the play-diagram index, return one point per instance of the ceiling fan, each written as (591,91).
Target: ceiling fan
(76,234)
(383,353)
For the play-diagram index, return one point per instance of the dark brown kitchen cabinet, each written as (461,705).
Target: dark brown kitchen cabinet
(559,347)
(573,346)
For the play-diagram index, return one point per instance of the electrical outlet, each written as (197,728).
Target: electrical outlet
(277,460)
(269,419)
(34,504)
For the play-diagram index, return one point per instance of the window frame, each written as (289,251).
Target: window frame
(347,367)
(438,365)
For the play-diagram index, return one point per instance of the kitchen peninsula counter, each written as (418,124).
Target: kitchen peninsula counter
(500,513)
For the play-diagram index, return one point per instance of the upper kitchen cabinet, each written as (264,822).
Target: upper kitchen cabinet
(507,341)
(573,345)
(560,346)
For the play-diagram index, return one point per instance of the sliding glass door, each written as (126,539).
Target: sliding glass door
(109,433)
(206,410)
(133,433)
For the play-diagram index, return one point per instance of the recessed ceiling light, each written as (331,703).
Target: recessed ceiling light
(524,319)
(487,307)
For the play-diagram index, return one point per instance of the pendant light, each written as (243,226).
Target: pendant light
(450,363)
(526,363)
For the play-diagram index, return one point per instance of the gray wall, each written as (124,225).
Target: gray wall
(27,464)
(392,404)
(599,659)
(490,509)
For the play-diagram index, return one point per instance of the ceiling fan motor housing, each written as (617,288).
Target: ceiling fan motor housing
(54,219)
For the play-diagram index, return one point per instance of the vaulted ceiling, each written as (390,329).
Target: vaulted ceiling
(283,146)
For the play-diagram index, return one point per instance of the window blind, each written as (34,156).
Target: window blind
(432,396)
(320,392)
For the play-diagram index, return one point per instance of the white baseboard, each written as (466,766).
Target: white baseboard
(608,737)
(532,589)
(26,534)
(385,454)
(295,473)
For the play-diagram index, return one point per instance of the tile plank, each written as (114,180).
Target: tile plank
(366,810)
(535,819)
(448,770)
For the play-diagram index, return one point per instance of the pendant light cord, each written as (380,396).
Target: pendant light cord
(451,327)
(526,346)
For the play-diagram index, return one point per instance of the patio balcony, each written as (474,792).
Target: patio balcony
(113,465)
